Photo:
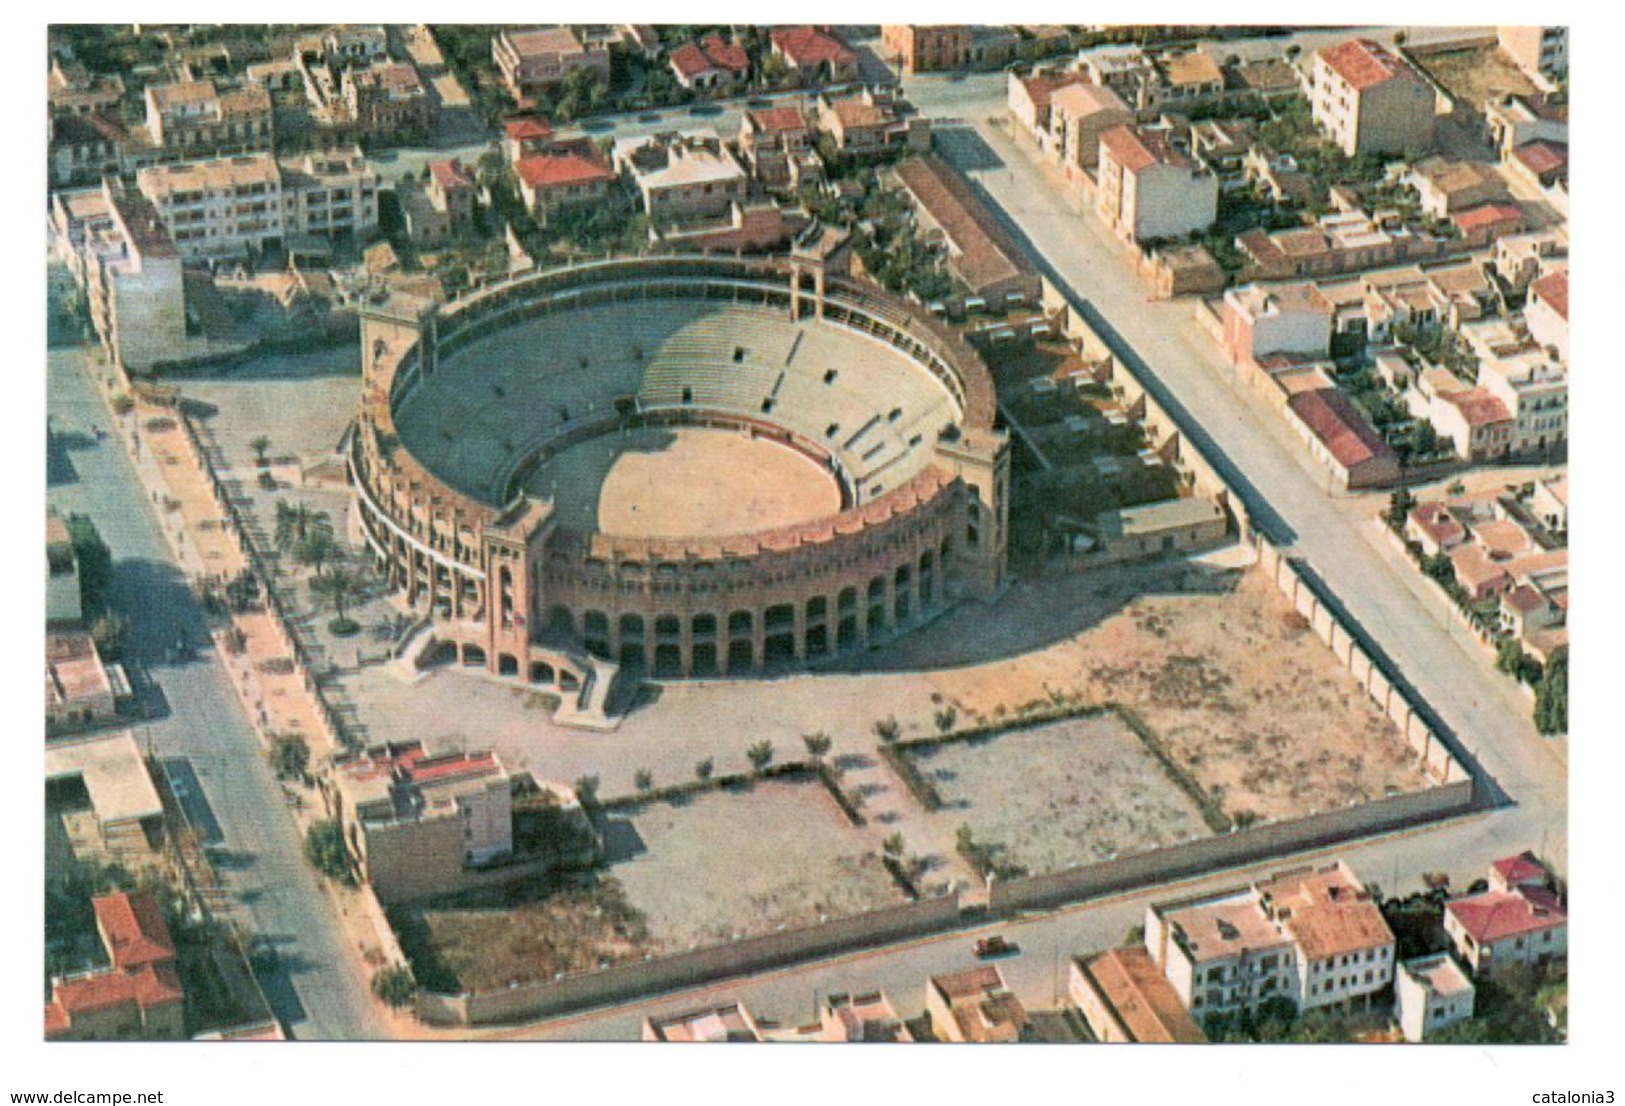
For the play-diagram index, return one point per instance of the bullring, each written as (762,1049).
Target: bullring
(676,466)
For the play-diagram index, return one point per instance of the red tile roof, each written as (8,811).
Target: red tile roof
(1543,156)
(1041,86)
(133,928)
(726,55)
(1363,63)
(528,127)
(551,170)
(1496,915)
(1553,290)
(1135,149)
(689,60)
(1436,521)
(451,174)
(1341,427)
(1525,599)
(810,46)
(1523,868)
(778,120)
(1485,215)
(1478,407)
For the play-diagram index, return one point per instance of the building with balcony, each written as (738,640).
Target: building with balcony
(1522,919)
(535,59)
(681,175)
(192,118)
(1148,188)
(1371,101)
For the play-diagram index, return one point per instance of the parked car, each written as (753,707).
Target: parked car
(989,947)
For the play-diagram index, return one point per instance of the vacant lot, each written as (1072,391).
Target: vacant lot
(742,861)
(1061,794)
(1476,76)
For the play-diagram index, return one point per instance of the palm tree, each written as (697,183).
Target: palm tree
(260,445)
(703,770)
(643,779)
(338,586)
(317,549)
(297,521)
(817,744)
(887,729)
(760,755)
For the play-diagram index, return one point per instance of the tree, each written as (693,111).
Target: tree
(260,445)
(1509,656)
(108,631)
(395,986)
(946,717)
(297,521)
(122,404)
(1552,694)
(317,549)
(338,586)
(324,849)
(1399,508)
(887,729)
(760,755)
(643,779)
(290,757)
(893,846)
(243,591)
(704,769)
(817,744)
(587,790)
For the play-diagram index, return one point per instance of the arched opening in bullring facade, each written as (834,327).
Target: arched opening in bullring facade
(631,627)
(703,625)
(668,626)
(541,672)
(560,620)
(846,634)
(928,578)
(473,656)
(668,661)
(817,641)
(780,649)
(507,664)
(740,624)
(780,616)
(705,659)
(741,655)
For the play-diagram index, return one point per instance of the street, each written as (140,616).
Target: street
(316,991)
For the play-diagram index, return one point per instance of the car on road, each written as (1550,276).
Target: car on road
(758,104)
(705,109)
(998,945)
(650,117)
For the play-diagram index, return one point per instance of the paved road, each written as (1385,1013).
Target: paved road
(318,992)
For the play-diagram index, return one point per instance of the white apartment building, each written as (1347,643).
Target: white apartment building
(685,175)
(225,207)
(1430,994)
(1147,188)
(1345,950)
(1541,52)
(1533,387)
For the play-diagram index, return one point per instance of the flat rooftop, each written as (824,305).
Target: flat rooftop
(113,773)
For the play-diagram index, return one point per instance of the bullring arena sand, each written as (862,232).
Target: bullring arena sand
(684,482)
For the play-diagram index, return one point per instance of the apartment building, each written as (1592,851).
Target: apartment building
(1446,187)
(86,148)
(1188,78)
(1312,937)
(115,244)
(1128,71)
(1519,371)
(389,103)
(1148,188)
(64,599)
(1546,313)
(224,207)
(565,175)
(1541,52)
(196,117)
(1079,113)
(921,48)
(1277,318)
(80,689)
(1519,920)
(535,59)
(681,175)
(716,1025)
(1124,997)
(71,89)
(868,123)
(1369,100)
(1515,121)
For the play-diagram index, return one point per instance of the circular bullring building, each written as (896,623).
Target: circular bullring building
(676,467)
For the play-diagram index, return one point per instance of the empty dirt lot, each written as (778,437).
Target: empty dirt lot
(1061,794)
(777,853)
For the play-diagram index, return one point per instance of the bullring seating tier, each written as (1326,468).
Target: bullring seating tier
(493,402)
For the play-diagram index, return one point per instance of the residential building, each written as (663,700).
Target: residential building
(129,269)
(867,122)
(1345,950)
(1431,993)
(1541,52)
(926,49)
(415,823)
(1512,923)
(80,689)
(1549,503)
(712,63)
(867,1018)
(1481,225)
(1342,438)
(389,103)
(1535,611)
(1446,187)
(106,774)
(1222,954)
(1189,77)
(1126,70)
(564,175)
(1515,120)
(1522,374)
(731,1023)
(974,1006)
(524,136)
(452,190)
(815,55)
(1541,164)
(777,144)
(750,227)
(357,44)
(190,118)
(71,89)
(681,175)
(980,252)
(1521,258)
(85,148)
(1546,313)
(1079,114)
(1336,243)
(1370,101)
(1475,421)
(1027,97)
(138,996)
(1278,318)
(1222,145)
(1147,188)
(1124,997)
(536,59)
(64,599)
(1157,529)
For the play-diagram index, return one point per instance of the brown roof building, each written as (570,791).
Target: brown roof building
(1125,998)
(1343,439)
(981,253)
(974,1006)
(138,996)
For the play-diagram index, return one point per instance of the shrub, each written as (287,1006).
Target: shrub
(395,986)
(290,757)
(887,729)
(760,755)
(324,849)
(643,779)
